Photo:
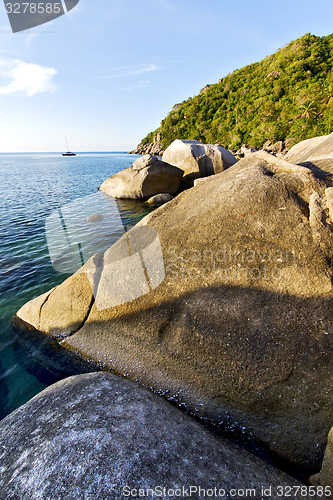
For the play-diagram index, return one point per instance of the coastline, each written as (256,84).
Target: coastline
(105,333)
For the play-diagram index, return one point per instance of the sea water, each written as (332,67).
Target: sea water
(33,187)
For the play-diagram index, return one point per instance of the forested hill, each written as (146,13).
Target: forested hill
(286,95)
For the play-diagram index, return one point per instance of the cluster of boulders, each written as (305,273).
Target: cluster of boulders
(233,323)
(281,149)
(181,164)
(278,149)
(185,161)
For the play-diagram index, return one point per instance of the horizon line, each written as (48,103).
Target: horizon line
(61,152)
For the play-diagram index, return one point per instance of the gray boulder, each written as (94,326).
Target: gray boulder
(239,328)
(279,149)
(198,159)
(147,177)
(98,437)
(144,161)
(316,148)
(246,149)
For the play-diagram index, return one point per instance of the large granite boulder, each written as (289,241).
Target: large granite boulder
(100,437)
(316,148)
(197,159)
(147,177)
(239,329)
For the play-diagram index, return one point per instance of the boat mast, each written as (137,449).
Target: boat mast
(66,144)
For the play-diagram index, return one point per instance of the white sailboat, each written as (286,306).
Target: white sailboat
(68,153)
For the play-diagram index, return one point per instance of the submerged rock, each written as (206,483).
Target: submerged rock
(240,330)
(147,177)
(100,437)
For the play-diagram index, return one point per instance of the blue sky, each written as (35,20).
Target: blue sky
(109,71)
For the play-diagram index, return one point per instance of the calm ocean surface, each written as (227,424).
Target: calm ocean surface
(32,187)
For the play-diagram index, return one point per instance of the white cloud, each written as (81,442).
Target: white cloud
(25,79)
(135,69)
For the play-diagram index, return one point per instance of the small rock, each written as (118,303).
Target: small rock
(279,146)
(160,199)
(246,149)
(288,143)
(266,145)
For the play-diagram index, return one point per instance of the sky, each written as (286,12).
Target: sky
(106,73)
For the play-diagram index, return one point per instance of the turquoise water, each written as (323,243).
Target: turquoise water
(32,187)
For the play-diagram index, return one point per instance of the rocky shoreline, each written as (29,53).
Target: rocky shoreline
(221,302)
(153,148)
(279,148)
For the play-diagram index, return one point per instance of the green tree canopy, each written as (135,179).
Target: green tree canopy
(287,95)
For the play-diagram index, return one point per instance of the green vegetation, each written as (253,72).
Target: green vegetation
(287,95)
